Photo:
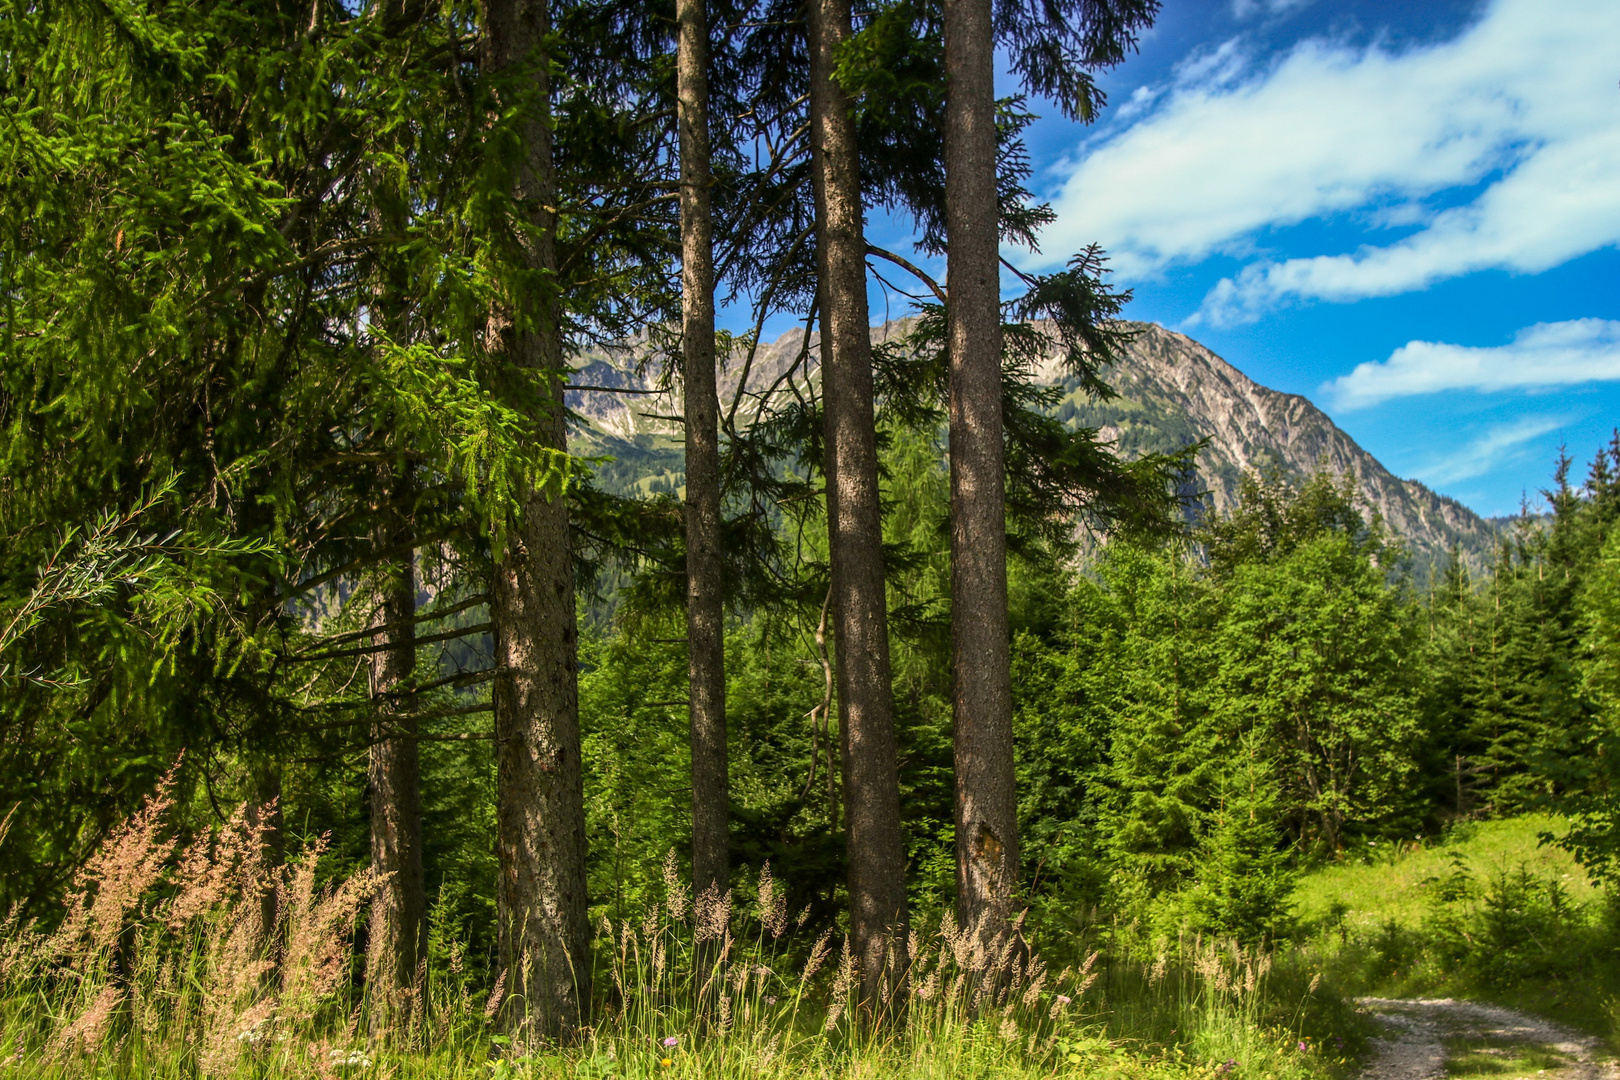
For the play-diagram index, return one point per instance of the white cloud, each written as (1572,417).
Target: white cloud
(1516,122)
(1224,65)
(1141,99)
(1248,9)
(1546,354)
(1490,450)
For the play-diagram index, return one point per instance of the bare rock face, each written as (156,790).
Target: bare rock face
(654,404)
(1172,392)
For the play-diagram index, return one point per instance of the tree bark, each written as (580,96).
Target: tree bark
(986,805)
(399,907)
(877,855)
(264,816)
(397,926)
(705,610)
(544,935)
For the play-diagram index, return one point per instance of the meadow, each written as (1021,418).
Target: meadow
(1489,911)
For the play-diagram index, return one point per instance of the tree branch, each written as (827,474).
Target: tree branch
(343,654)
(906,264)
(470,602)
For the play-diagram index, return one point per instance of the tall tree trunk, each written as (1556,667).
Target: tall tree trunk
(705,612)
(264,815)
(399,906)
(544,935)
(397,925)
(986,807)
(877,855)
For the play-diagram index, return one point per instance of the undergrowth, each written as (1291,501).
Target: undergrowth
(202,960)
(1486,912)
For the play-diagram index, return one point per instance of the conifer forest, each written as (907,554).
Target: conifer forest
(362,712)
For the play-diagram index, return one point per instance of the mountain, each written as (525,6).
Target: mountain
(632,417)
(1172,392)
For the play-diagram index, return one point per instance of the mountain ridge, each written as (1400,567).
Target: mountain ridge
(1172,391)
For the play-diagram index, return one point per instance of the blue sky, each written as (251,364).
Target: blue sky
(1408,212)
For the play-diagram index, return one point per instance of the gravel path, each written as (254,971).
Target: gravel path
(1415,1030)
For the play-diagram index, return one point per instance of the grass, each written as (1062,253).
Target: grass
(1485,1058)
(1394,880)
(1486,912)
(161,968)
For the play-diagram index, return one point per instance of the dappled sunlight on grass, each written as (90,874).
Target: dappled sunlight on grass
(1490,1059)
(1391,881)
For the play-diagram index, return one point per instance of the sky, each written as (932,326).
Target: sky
(1407,212)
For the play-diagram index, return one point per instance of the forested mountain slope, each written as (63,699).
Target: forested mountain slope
(1172,392)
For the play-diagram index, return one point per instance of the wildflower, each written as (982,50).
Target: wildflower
(770,999)
(665,1062)
(672,1041)
(1064,999)
(1302,1046)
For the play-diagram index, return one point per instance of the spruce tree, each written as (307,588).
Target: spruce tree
(544,933)
(858,600)
(705,607)
(1450,766)
(1053,49)
(986,804)
(1594,803)
(1245,877)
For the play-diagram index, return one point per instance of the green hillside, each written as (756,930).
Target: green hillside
(1486,911)
(1399,882)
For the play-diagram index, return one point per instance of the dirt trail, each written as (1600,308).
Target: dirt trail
(1416,1030)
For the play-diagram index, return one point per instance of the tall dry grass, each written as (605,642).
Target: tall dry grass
(1253,1010)
(699,988)
(164,965)
(163,958)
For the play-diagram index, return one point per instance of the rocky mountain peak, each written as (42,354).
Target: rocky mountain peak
(1172,392)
